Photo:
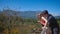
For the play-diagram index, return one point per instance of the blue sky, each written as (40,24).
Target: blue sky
(53,6)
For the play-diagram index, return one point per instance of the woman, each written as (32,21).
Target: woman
(43,22)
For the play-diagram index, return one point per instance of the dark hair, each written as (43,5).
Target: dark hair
(44,12)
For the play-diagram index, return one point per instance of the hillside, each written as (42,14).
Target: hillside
(23,14)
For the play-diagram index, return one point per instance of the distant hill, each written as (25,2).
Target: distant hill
(23,14)
(57,17)
(29,14)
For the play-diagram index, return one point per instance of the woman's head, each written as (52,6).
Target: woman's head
(39,16)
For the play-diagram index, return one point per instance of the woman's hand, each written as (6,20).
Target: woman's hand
(38,21)
(44,27)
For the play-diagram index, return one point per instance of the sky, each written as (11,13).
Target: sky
(53,6)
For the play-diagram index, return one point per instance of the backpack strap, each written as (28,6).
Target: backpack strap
(49,17)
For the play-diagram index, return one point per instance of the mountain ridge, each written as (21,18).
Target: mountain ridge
(23,14)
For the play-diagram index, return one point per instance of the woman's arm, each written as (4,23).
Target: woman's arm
(45,21)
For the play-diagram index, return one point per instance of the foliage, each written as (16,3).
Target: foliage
(17,25)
